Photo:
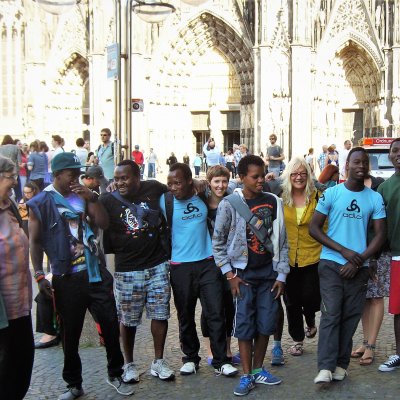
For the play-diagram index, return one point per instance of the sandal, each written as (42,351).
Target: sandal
(310,332)
(368,360)
(296,350)
(358,354)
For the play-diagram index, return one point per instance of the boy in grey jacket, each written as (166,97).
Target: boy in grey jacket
(256,275)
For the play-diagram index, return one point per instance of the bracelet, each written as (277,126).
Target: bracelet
(38,273)
(39,278)
(232,277)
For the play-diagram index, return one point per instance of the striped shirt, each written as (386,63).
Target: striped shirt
(15,277)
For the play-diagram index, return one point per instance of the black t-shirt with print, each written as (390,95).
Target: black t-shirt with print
(264,207)
(136,245)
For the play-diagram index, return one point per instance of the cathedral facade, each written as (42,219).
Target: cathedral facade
(311,71)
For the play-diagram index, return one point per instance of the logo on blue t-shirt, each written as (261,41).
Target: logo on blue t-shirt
(353,207)
(191,209)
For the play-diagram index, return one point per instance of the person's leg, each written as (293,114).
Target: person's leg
(186,289)
(130,298)
(353,303)
(260,348)
(331,286)
(102,307)
(229,311)
(245,350)
(311,297)
(376,308)
(293,302)
(158,296)
(71,297)
(211,297)
(16,358)
(45,320)
(360,350)
(396,322)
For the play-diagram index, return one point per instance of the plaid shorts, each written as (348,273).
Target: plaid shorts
(136,289)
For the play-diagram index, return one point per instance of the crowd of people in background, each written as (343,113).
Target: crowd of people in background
(311,232)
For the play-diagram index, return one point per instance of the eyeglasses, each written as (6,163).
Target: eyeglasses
(301,174)
(12,177)
(26,192)
(104,135)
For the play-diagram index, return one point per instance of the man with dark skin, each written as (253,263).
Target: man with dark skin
(343,269)
(390,191)
(256,271)
(60,223)
(194,274)
(141,263)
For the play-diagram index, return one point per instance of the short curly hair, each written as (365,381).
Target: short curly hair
(244,163)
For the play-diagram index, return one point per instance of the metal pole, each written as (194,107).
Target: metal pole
(128,79)
(117,86)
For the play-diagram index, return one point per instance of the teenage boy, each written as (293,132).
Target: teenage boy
(343,268)
(141,267)
(390,190)
(255,269)
(274,156)
(193,272)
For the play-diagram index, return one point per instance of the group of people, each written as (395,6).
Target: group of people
(236,250)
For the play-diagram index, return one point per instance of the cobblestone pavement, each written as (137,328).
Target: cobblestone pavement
(297,374)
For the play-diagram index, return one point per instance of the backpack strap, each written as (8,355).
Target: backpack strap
(255,224)
(169,207)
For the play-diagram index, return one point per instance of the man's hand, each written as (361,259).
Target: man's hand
(235,282)
(279,287)
(45,288)
(200,185)
(352,257)
(82,191)
(112,187)
(270,176)
(348,271)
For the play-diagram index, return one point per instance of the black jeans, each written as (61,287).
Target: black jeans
(74,295)
(45,315)
(341,308)
(302,297)
(190,281)
(16,358)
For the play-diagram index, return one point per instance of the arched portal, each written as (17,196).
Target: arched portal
(204,86)
(348,92)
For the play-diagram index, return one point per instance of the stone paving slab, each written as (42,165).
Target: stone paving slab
(297,374)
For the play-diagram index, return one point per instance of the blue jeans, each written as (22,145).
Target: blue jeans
(152,170)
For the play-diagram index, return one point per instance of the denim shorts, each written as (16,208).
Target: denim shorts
(255,308)
(135,290)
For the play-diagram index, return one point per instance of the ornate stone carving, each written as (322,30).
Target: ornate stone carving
(351,14)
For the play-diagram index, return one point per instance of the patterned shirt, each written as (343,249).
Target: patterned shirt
(15,277)
(321,160)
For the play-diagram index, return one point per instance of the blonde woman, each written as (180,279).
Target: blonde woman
(302,296)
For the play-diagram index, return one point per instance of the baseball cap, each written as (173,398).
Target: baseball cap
(96,172)
(65,160)
(137,147)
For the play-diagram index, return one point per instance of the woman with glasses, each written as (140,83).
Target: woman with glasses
(29,190)
(302,295)
(16,336)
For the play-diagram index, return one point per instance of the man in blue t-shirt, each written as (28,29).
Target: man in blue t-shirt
(212,153)
(193,273)
(343,269)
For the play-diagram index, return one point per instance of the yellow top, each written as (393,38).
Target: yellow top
(299,213)
(303,249)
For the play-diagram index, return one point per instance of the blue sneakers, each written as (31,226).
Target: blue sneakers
(277,357)
(266,378)
(245,385)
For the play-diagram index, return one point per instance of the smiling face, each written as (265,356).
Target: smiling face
(8,180)
(357,166)
(127,182)
(298,178)
(179,186)
(254,180)
(219,185)
(394,155)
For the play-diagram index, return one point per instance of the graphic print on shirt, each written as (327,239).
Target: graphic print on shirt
(264,213)
(191,212)
(354,210)
(134,224)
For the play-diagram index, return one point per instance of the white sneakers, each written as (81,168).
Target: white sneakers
(227,370)
(130,374)
(161,369)
(189,368)
(339,374)
(326,376)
